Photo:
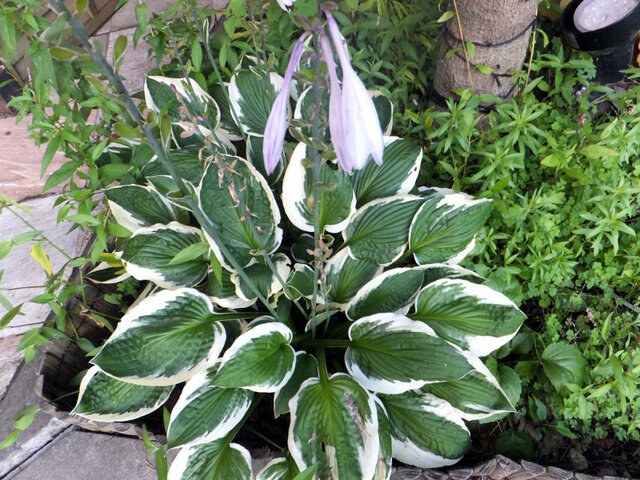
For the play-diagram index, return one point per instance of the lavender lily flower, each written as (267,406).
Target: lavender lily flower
(361,131)
(276,127)
(335,107)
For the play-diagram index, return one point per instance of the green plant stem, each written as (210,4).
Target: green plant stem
(322,366)
(266,439)
(211,229)
(44,237)
(207,47)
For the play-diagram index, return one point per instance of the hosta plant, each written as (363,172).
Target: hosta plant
(327,287)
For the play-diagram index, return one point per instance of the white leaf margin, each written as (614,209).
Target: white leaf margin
(151,305)
(262,330)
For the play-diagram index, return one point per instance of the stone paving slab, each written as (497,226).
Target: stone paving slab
(20,161)
(10,360)
(21,270)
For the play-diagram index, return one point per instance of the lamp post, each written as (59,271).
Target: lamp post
(607,29)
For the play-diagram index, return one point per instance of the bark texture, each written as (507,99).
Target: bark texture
(500,30)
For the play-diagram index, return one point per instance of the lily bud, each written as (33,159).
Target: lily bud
(276,127)
(361,132)
(335,106)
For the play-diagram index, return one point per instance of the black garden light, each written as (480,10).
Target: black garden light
(607,29)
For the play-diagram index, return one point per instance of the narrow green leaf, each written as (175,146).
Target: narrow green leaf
(50,151)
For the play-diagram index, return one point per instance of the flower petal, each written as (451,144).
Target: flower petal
(276,127)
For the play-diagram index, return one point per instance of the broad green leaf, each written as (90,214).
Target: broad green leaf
(252,96)
(436,271)
(40,256)
(256,157)
(178,95)
(276,469)
(148,253)
(397,175)
(223,292)
(106,399)
(60,175)
(563,364)
(477,395)
(445,225)
(346,275)
(136,206)
(390,353)
(384,108)
(187,164)
(598,151)
(192,252)
(5,248)
(283,469)
(212,461)
(301,279)
(475,317)
(334,423)
(390,292)
(385,456)
(205,412)
(163,340)
(304,113)
(242,206)
(260,360)
(263,278)
(378,231)
(227,126)
(427,432)
(306,367)
(119,47)
(335,203)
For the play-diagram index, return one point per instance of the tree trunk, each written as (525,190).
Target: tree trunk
(500,31)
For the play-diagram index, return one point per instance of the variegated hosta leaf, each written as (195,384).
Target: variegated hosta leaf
(223,293)
(252,95)
(346,275)
(473,316)
(239,201)
(163,340)
(148,253)
(436,271)
(181,93)
(283,469)
(276,469)
(263,278)
(384,108)
(306,367)
(135,206)
(477,395)
(385,456)
(301,280)
(255,156)
(397,175)
(336,200)
(106,399)
(260,359)
(227,126)
(212,461)
(304,112)
(334,422)
(378,231)
(391,291)
(445,225)
(205,412)
(427,432)
(187,163)
(390,353)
